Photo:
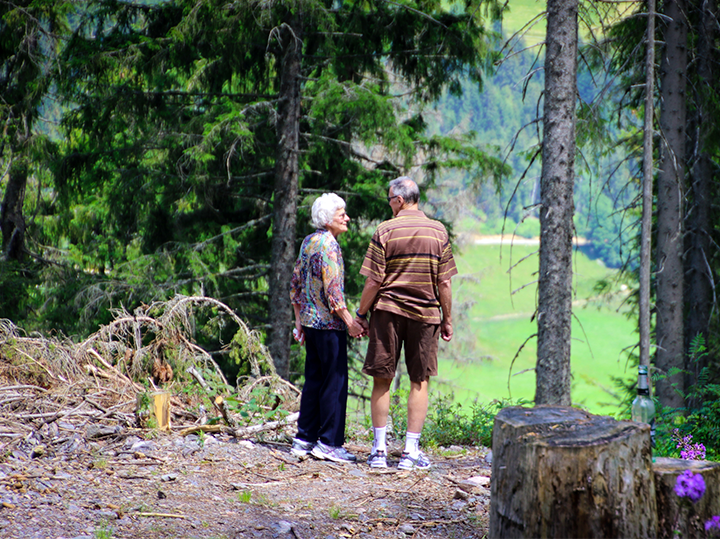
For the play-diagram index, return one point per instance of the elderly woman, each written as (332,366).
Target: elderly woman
(321,320)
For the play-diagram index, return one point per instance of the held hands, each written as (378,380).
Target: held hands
(356,328)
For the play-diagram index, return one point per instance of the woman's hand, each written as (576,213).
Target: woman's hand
(356,330)
(298,333)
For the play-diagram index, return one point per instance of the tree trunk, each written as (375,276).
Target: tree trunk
(285,197)
(647,191)
(560,472)
(556,214)
(699,275)
(671,184)
(678,518)
(12,221)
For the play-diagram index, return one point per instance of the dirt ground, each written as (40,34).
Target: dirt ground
(79,458)
(127,483)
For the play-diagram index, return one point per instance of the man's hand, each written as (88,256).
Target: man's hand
(364,325)
(445,293)
(446,330)
(355,329)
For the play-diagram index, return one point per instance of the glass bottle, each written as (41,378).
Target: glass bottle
(643,408)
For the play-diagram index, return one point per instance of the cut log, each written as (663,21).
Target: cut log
(161,409)
(679,517)
(559,472)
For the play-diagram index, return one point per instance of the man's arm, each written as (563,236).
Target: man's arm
(445,293)
(370,292)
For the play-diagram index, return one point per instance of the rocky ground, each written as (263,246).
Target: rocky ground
(126,483)
(79,457)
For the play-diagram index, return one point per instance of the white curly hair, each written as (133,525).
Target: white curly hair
(324,208)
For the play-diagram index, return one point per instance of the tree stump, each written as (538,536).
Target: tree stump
(560,472)
(679,517)
(161,409)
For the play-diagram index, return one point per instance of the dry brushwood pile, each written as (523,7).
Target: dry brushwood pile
(83,452)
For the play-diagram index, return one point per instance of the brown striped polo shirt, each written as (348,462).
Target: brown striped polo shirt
(410,254)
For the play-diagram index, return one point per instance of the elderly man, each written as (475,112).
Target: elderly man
(408,267)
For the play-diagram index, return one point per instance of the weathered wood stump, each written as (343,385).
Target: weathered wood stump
(680,514)
(161,409)
(560,472)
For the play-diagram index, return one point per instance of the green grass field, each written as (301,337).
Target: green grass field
(517,18)
(491,325)
(519,13)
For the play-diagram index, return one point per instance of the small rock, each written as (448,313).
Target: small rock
(189,450)
(98,432)
(19,455)
(460,494)
(143,447)
(478,481)
(209,440)
(406,528)
(39,451)
(168,477)
(284,529)
(130,441)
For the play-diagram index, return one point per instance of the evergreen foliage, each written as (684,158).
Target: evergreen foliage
(164,183)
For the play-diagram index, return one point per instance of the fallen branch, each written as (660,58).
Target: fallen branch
(207,428)
(221,406)
(197,376)
(112,368)
(158,514)
(241,433)
(268,426)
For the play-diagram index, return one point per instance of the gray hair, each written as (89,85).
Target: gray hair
(324,208)
(406,188)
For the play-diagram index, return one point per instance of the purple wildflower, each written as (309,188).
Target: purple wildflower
(689,450)
(696,451)
(713,522)
(690,485)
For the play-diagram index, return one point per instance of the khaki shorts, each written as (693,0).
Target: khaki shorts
(388,333)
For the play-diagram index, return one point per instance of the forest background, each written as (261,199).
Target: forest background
(145,135)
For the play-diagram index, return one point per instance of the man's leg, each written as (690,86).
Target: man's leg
(417,411)
(379,409)
(417,405)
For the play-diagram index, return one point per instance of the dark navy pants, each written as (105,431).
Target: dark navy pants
(324,396)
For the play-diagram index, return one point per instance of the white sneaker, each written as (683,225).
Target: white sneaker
(378,459)
(301,448)
(407,463)
(333,453)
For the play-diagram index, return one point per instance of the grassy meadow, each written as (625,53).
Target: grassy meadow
(517,18)
(519,13)
(491,325)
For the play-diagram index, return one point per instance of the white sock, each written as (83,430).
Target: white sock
(379,442)
(412,444)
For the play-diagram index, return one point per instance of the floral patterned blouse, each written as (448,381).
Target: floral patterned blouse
(317,284)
